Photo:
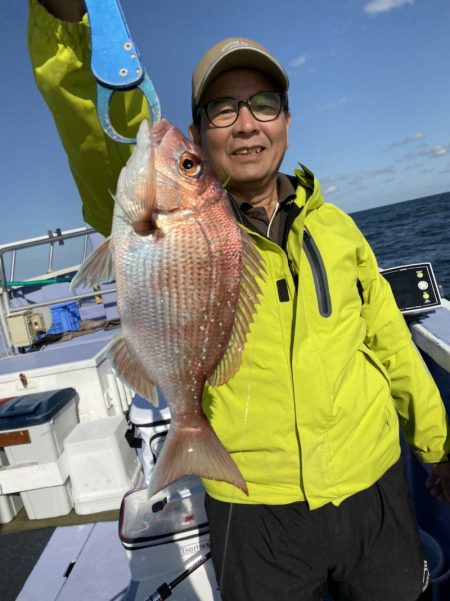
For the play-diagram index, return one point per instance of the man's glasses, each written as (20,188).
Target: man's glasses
(264,106)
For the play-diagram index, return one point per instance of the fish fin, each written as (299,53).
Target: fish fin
(136,188)
(97,269)
(194,452)
(249,290)
(128,369)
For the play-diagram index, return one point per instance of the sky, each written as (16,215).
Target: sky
(369,97)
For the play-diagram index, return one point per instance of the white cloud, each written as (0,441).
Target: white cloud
(435,152)
(337,184)
(439,150)
(334,149)
(332,105)
(299,61)
(417,136)
(413,166)
(374,7)
(365,174)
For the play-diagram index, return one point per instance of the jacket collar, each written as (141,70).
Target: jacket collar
(309,193)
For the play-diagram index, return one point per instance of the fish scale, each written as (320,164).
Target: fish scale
(180,301)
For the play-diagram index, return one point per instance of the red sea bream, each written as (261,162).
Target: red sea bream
(186,276)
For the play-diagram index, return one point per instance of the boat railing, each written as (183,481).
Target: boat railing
(53,239)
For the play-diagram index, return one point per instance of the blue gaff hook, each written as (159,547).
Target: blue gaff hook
(116,63)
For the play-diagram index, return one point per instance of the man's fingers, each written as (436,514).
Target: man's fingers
(432,481)
(445,485)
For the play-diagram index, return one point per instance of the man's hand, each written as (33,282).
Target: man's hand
(439,481)
(66,10)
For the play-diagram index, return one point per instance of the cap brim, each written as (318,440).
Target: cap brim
(248,58)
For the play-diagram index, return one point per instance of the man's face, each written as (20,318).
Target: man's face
(247,154)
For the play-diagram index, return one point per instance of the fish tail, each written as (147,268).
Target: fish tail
(194,452)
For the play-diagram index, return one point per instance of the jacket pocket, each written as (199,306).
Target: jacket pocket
(319,274)
(389,413)
(373,359)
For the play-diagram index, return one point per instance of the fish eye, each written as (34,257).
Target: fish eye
(190,165)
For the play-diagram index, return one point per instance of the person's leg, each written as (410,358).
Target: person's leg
(381,558)
(267,553)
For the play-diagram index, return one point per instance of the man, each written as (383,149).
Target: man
(328,370)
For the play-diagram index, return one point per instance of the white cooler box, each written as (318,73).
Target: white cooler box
(10,505)
(32,431)
(102,466)
(147,430)
(83,364)
(167,542)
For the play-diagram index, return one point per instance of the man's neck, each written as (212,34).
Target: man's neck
(266,197)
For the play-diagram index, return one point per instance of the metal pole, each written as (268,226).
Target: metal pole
(5,308)
(85,245)
(50,253)
(13,266)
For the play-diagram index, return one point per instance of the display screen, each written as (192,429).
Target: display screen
(414,287)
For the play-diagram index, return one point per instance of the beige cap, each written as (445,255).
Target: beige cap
(232,53)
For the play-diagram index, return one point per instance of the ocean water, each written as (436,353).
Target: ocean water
(414,231)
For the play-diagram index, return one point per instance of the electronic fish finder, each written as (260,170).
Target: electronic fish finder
(414,286)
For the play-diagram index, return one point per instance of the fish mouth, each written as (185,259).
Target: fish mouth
(248,150)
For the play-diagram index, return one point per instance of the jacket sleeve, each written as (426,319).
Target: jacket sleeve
(60,58)
(417,400)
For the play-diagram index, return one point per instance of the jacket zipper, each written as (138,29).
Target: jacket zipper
(313,256)
(319,274)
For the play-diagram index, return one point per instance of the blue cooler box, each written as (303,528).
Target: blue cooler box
(65,318)
(32,430)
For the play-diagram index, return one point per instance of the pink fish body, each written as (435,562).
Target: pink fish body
(186,277)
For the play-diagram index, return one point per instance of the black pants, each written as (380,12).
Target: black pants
(367,549)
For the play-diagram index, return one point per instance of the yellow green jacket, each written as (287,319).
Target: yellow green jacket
(329,369)
(60,56)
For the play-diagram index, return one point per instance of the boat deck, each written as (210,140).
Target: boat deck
(80,562)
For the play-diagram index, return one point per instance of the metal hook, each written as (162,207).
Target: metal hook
(116,63)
